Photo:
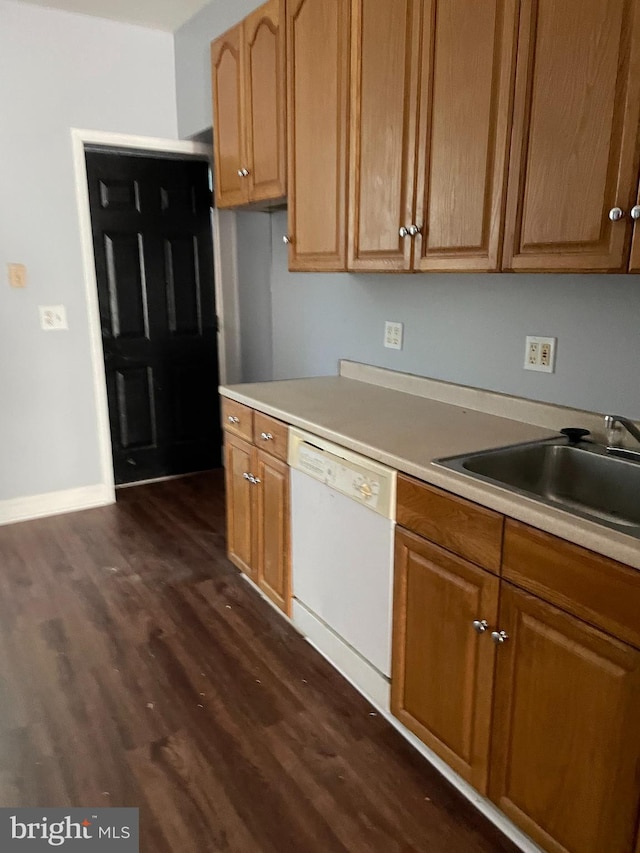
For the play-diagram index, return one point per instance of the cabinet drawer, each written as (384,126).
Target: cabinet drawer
(466,529)
(237,418)
(599,590)
(270,435)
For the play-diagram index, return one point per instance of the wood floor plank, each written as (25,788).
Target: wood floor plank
(138,668)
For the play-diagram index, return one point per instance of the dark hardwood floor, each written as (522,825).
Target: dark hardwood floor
(137,668)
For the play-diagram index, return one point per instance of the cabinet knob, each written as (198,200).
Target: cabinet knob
(480,625)
(286,239)
(616,213)
(403,232)
(240,175)
(266,436)
(414,230)
(499,636)
(233,419)
(245,173)
(247,476)
(635,211)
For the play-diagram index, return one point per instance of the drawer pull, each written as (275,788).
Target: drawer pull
(266,436)
(499,636)
(233,419)
(480,625)
(253,480)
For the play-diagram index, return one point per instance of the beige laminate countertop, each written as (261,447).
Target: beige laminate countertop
(407,432)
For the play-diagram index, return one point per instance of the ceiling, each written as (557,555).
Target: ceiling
(159,14)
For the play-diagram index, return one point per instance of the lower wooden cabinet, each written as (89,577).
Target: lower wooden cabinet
(257,487)
(528,699)
(443,657)
(566,741)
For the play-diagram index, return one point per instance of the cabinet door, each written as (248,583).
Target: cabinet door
(385,37)
(272,529)
(265,97)
(468,67)
(566,741)
(228,119)
(317,85)
(573,151)
(240,493)
(634,263)
(442,671)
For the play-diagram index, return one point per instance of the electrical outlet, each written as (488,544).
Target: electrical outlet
(540,354)
(393,334)
(53,317)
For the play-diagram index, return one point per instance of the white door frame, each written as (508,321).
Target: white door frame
(226,284)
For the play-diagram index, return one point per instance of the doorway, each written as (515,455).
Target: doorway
(153,250)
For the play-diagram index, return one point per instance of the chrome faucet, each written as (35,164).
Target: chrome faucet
(610,422)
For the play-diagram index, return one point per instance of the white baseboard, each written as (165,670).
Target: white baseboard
(54,503)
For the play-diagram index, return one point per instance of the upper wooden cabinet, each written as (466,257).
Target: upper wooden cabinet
(249,112)
(428,194)
(575,132)
(318,97)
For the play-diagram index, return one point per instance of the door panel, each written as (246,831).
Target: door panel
(154,265)
(573,153)
(239,458)
(136,409)
(272,529)
(184,308)
(566,744)
(125,279)
(265,98)
(465,108)
(385,37)
(226,87)
(442,676)
(318,79)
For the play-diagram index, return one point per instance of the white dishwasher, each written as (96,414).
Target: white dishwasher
(342,530)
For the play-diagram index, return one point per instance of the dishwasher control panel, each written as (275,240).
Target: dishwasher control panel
(357,477)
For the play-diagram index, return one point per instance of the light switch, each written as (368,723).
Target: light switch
(53,317)
(17,274)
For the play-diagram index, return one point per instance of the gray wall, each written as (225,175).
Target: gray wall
(468,329)
(254,295)
(193,68)
(57,71)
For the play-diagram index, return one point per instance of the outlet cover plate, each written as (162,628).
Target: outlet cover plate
(393,334)
(540,354)
(53,317)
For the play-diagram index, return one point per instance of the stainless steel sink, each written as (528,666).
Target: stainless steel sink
(582,479)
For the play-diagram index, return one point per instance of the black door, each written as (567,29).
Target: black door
(154,262)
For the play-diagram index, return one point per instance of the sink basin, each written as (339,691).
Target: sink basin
(582,479)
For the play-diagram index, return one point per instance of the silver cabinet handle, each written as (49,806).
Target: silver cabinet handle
(247,476)
(616,213)
(233,419)
(414,230)
(266,436)
(480,625)
(256,481)
(403,232)
(635,211)
(286,239)
(240,175)
(245,173)
(499,636)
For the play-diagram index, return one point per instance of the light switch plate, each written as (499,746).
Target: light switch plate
(17,275)
(53,317)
